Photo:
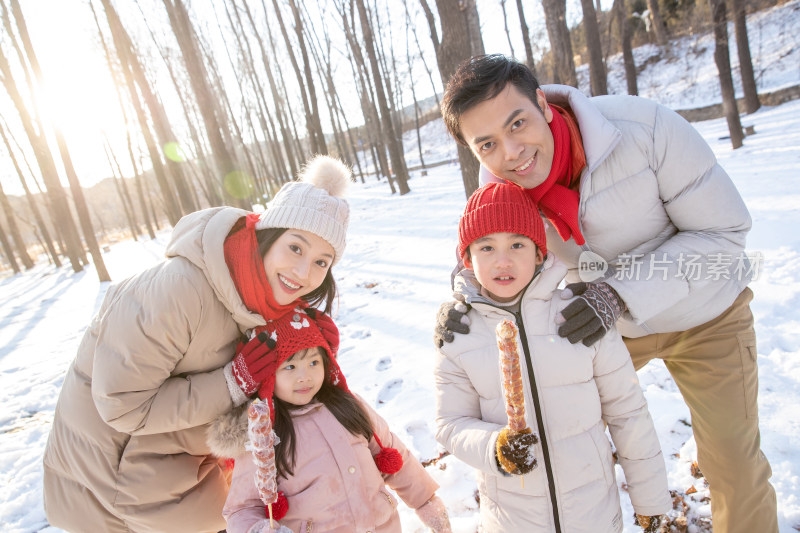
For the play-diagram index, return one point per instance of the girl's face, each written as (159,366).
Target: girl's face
(300,377)
(296,264)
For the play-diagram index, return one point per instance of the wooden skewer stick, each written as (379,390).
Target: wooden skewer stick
(271,525)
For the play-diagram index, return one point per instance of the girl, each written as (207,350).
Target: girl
(333,454)
(127,451)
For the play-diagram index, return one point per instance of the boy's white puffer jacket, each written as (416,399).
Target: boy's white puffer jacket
(577,390)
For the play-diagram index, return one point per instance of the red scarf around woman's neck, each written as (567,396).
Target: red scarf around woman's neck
(557,201)
(246,267)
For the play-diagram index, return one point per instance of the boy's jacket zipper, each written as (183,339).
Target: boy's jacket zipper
(537,408)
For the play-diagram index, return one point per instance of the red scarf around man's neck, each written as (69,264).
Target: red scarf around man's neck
(554,197)
(246,267)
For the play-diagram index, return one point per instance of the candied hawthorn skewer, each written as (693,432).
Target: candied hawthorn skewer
(262,441)
(515,443)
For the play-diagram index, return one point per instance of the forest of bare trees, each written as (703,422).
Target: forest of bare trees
(221,102)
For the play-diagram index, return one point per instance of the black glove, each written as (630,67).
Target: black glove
(592,314)
(452,317)
(515,451)
(649,524)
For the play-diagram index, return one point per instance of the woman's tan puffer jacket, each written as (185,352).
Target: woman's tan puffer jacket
(127,451)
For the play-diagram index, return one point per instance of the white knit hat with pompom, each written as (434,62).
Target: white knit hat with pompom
(314,203)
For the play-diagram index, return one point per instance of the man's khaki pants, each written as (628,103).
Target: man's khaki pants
(715,368)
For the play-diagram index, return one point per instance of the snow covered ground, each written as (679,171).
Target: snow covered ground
(393,277)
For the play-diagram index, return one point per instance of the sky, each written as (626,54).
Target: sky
(392,278)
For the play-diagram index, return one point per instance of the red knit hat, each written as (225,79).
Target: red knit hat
(309,328)
(500,208)
(299,330)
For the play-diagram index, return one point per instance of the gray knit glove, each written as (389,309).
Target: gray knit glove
(452,317)
(591,315)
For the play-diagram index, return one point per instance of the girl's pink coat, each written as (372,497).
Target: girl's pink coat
(336,486)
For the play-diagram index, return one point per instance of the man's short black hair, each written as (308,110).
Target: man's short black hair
(481,78)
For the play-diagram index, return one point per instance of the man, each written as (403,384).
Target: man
(635,204)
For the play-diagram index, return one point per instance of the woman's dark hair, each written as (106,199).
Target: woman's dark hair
(326,292)
(343,405)
(481,78)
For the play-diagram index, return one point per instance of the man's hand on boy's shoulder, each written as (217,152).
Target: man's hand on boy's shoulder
(592,314)
(451,318)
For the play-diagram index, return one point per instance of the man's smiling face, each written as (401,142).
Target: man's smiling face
(511,137)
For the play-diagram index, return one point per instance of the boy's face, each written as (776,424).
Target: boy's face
(300,377)
(504,263)
(511,137)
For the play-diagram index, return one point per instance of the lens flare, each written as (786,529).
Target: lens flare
(174,152)
(239,184)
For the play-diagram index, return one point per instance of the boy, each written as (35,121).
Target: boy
(571,391)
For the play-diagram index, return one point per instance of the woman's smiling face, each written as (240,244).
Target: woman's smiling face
(296,264)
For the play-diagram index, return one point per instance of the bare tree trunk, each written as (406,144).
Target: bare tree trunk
(452,51)
(81,208)
(597,70)
(8,251)
(122,190)
(127,122)
(370,112)
(749,88)
(723,60)
(236,138)
(312,134)
(555,18)
(187,201)
(395,150)
(434,39)
(143,204)
(48,242)
(291,124)
(134,75)
(621,16)
(526,38)
(659,28)
(393,92)
(470,9)
(505,26)
(340,113)
(13,229)
(238,190)
(212,188)
(44,157)
(322,147)
(413,91)
(322,60)
(276,99)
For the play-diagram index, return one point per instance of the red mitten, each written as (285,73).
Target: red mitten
(250,366)
(327,327)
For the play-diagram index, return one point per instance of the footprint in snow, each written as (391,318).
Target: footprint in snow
(384,364)
(422,439)
(390,390)
(360,334)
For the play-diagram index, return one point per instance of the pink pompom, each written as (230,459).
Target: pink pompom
(389,461)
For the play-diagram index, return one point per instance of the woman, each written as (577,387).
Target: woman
(159,362)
